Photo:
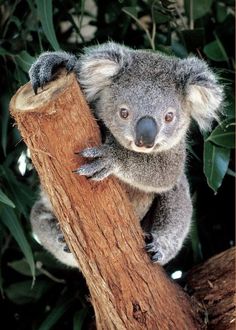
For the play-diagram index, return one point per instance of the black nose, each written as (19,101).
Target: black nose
(146,132)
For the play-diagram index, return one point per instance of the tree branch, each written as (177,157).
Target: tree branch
(127,290)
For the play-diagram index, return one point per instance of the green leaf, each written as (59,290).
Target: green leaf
(199,8)
(79,318)
(45,13)
(9,219)
(23,293)
(20,193)
(160,18)
(4,52)
(224,134)
(215,51)
(216,161)
(3,249)
(4,101)
(22,267)
(229,108)
(20,76)
(24,60)
(221,11)
(56,313)
(131,11)
(5,200)
(231,173)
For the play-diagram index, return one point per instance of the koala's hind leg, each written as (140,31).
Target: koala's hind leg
(46,228)
(171,223)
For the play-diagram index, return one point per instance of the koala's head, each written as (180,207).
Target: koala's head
(146,99)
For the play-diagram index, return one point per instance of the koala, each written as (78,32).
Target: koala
(145,101)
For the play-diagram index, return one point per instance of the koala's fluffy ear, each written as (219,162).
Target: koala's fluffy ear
(203,94)
(99,64)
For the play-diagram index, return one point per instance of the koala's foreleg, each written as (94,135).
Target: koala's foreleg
(46,228)
(171,223)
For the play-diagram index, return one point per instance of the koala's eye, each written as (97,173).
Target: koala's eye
(124,113)
(169,117)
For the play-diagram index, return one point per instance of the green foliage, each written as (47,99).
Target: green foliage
(45,14)
(23,293)
(204,28)
(9,219)
(216,161)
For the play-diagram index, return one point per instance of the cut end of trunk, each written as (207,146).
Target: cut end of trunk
(26,100)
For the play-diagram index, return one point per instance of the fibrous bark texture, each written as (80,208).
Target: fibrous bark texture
(127,290)
(213,287)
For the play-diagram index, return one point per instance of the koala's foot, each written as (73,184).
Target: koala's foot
(43,69)
(47,229)
(103,163)
(159,249)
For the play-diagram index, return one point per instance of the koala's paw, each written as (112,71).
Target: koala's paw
(101,167)
(43,69)
(156,248)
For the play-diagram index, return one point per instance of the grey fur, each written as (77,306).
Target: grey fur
(147,85)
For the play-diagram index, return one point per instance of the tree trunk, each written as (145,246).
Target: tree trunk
(127,290)
(213,287)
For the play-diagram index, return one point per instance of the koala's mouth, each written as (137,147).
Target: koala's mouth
(143,149)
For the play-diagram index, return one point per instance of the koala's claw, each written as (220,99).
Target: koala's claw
(61,239)
(97,170)
(153,248)
(66,249)
(43,69)
(102,165)
(92,152)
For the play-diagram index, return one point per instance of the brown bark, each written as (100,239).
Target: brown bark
(127,290)
(213,287)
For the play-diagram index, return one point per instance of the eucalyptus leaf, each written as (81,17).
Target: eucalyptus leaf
(4,52)
(5,200)
(224,134)
(221,11)
(79,318)
(4,99)
(24,60)
(1,281)
(23,293)
(131,11)
(231,173)
(22,267)
(45,13)
(20,193)
(56,313)
(199,8)
(215,51)
(9,219)
(20,76)
(216,161)
(160,18)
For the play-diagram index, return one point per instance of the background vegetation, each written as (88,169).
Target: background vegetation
(36,291)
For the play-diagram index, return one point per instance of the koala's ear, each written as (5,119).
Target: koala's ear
(99,64)
(203,94)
